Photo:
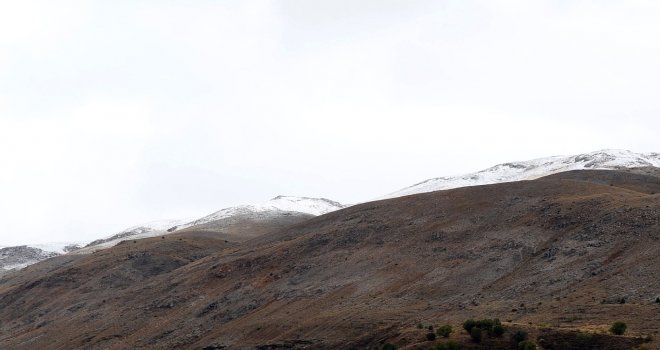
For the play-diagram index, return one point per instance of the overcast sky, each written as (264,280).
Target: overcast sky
(114,113)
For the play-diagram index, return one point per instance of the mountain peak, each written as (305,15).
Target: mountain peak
(535,168)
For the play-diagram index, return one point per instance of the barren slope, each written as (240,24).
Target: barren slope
(562,251)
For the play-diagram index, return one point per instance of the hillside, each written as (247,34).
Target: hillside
(574,250)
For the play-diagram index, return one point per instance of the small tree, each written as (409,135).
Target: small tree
(475,334)
(444,331)
(618,328)
(430,336)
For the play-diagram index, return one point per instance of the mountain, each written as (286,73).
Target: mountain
(278,206)
(20,256)
(560,257)
(150,229)
(223,220)
(533,169)
(236,223)
(244,222)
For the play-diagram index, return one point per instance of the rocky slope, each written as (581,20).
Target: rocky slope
(533,169)
(574,250)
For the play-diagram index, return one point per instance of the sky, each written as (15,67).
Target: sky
(115,113)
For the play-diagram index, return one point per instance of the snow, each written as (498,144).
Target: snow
(276,206)
(55,247)
(313,206)
(533,169)
(146,230)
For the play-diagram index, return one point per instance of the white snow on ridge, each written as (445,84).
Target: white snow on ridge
(149,229)
(55,247)
(314,206)
(273,207)
(533,169)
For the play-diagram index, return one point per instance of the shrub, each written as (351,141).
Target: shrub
(420,326)
(498,330)
(430,328)
(469,324)
(486,324)
(444,331)
(430,336)
(519,336)
(475,334)
(657,300)
(618,327)
(526,345)
(389,346)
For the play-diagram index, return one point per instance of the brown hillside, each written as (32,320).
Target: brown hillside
(576,250)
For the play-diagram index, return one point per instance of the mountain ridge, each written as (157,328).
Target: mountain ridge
(557,253)
(532,169)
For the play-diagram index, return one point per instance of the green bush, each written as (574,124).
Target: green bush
(430,336)
(469,324)
(519,336)
(475,334)
(444,331)
(498,330)
(526,345)
(486,324)
(420,326)
(389,346)
(618,327)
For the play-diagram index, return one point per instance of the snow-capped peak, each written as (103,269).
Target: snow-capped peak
(275,206)
(532,169)
(314,206)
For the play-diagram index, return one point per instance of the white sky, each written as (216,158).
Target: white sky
(114,113)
